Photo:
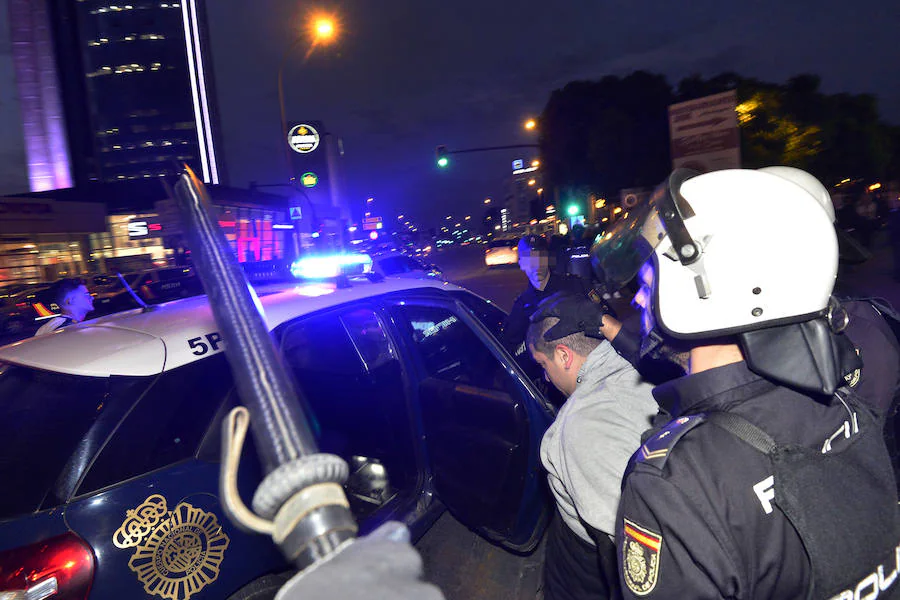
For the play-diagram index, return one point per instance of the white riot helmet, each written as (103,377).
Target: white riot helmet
(807,182)
(735,251)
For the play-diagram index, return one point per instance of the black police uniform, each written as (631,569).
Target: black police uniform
(708,518)
(516,325)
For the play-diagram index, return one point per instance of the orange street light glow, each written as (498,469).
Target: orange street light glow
(531,182)
(324,28)
(530,124)
(535,163)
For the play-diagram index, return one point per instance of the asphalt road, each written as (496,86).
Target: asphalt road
(465,266)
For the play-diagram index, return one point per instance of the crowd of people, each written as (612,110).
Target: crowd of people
(757,466)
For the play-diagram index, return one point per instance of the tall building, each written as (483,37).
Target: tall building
(113,92)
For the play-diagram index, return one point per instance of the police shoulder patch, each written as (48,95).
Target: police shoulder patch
(640,557)
(655,451)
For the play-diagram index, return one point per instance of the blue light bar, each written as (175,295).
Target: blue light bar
(333,265)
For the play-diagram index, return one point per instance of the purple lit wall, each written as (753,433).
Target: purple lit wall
(46,148)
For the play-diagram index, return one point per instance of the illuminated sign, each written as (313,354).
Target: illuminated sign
(518,164)
(296,213)
(526,170)
(139,228)
(309,179)
(303,138)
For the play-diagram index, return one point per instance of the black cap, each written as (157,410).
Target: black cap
(532,243)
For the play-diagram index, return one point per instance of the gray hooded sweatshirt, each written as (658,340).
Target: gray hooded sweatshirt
(586,449)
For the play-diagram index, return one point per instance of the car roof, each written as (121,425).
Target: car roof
(141,343)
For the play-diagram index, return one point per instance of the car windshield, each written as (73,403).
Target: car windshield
(44,416)
(502,244)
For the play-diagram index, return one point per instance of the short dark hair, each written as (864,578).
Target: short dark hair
(578,342)
(64,287)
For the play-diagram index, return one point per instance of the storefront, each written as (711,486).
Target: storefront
(43,240)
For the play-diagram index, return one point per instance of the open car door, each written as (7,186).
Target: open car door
(483,424)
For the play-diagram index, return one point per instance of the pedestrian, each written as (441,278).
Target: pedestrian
(769,481)
(586,449)
(534,261)
(74,300)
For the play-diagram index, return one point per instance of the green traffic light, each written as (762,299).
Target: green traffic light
(572,210)
(443,162)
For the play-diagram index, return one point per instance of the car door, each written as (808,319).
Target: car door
(482,419)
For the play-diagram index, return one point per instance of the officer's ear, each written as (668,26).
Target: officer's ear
(565,355)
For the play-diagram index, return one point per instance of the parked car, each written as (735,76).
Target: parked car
(397,264)
(501,252)
(110,434)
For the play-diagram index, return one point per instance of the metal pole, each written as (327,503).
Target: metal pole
(284,132)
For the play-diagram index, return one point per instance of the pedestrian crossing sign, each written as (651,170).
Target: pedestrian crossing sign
(296,213)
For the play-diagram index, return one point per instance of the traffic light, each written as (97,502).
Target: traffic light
(440,155)
(572,210)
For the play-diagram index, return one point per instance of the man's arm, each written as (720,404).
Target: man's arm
(667,548)
(515,326)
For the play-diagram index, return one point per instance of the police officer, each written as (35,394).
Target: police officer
(534,261)
(769,481)
(74,300)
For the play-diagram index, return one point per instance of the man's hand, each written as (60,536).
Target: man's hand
(576,314)
(380,566)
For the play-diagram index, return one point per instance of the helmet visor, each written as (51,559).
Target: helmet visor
(618,255)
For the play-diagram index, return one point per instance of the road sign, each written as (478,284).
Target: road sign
(303,138)
(704,133)
(371,223)
(309,179)
(296,213)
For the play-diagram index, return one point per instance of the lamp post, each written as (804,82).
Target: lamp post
(323,31)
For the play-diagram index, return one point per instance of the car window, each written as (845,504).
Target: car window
(502,244)
(352,381)
(43,418)
(487,312)
(450,350)
(167,424)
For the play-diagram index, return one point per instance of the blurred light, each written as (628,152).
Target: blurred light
(468,217)
(399,217)
(315,234)
(550,208)
(874,187)
(563,229)
(352,229)
(617,210)
(323,28)
(443,162)
(282,226)
(496,228)
(535,163)
(572,210)
(322,267)
(487,200)
(604,219)
(530,124)
(448,217)
(315,290)
(540,190)
(600,203)
(370,200)
(532,182)
(533,222)
(373,235)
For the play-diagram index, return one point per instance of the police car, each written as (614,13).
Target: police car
(110,436)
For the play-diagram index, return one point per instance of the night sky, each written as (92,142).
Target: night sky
(406,75)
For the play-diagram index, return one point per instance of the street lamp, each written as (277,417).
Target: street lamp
(322,29)
(530,124)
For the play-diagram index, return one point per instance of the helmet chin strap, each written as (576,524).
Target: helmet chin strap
(813,356)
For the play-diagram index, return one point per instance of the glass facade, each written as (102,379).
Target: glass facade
(43,258)
(138,87)
(255,233)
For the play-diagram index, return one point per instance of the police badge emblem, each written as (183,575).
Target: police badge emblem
(640,558)
(177,553)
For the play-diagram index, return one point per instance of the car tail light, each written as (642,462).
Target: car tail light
(61,568)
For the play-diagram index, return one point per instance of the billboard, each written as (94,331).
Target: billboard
(704,133)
